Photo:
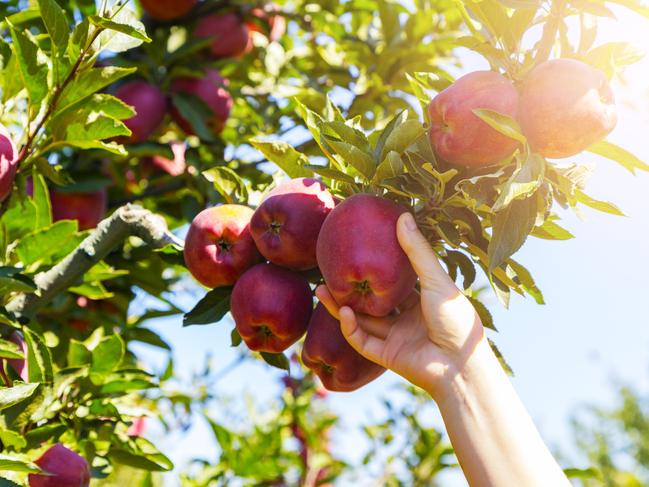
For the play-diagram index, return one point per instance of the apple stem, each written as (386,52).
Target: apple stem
(128,220)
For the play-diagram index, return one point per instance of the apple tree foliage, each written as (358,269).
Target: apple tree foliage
(341,96)
(615,440)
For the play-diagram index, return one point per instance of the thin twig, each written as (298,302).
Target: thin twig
(24,152)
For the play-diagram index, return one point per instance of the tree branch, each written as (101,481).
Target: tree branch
(25,151)
(128,220)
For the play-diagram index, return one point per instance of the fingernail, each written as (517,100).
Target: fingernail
(409,222)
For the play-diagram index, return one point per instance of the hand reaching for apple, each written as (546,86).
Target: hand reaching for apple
(430,336)
(436,341)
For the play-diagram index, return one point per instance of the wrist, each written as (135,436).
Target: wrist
(465,372)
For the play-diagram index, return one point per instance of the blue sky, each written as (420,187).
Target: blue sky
(592,333)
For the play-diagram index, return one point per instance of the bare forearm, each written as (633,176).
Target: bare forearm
(494,437)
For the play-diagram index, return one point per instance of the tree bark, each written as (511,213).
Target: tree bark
(128,220)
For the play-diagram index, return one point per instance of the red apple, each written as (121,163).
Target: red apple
(211,90)
(167,9)
(267,22)
(271,307)
(457,135)
(566,106)
(87,208)
(327,353)
(174,167)
(219,247)
(138,427)
(229,31)
(8,163)
(287,223)
(150,105)
(66,469)
(360,257)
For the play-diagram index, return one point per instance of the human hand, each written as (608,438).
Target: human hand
(429,339)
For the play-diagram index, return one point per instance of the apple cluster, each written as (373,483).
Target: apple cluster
(563,106)
(232,39)
(231,34)
(267,254)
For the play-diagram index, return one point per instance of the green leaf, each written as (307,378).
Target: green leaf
(228,183)
(526,280)
(108,354)
(284,156)
(23,16)
(331,173)
(123,381)
(550,230)
(347,134)
(593,8)
(194,110)
(525,181)
(10,396)
(8,483)
(583,473)
(134,29)
(235,338)
(42,244)
(465,265)
(402,136)
(79,39)
(12,464)
(485,316)
(78,354)
(150,337)
(122,32)
(278,360)
(637,6)
(603,206)
(33,67)
(12,439)
(51,431)
(390,167)
(500,358)
(91,81)
(611,57)
(41,198)
(211,308)
(511,227)
(12,280)
(38,358)
(91,290)
(313,122)
(55,23)
(144,456)
(10,350)
(400,118)
(19,219)
(353,156)
(502,123)
(112,147)
(619,155)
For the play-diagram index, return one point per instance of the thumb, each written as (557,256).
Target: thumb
(431,274)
